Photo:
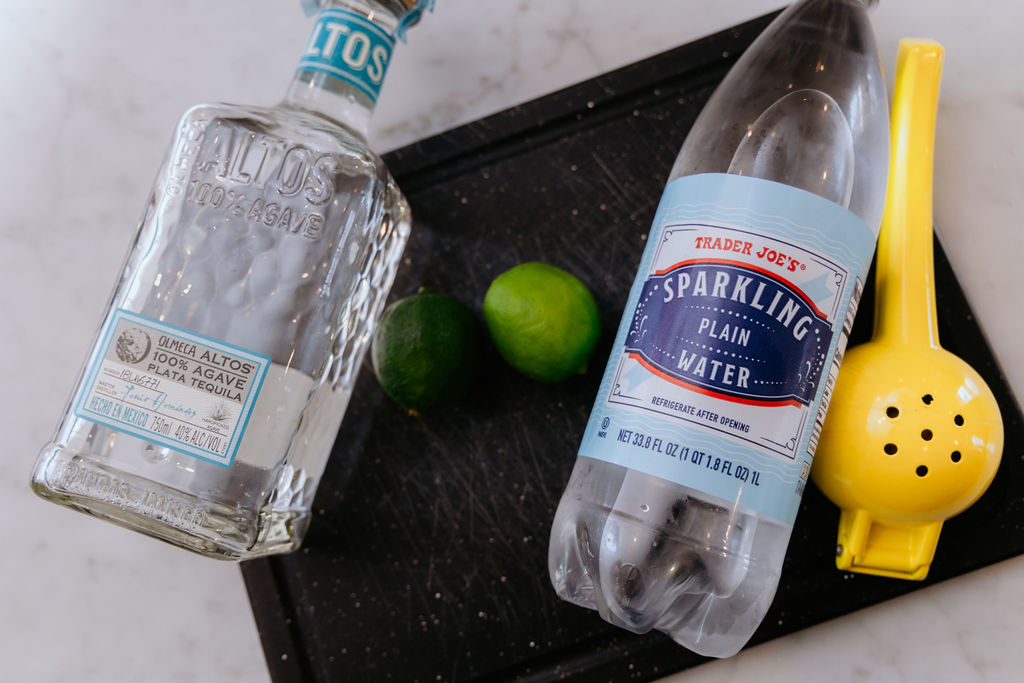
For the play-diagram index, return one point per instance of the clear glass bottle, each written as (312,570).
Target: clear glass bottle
(206,411)
(680,507)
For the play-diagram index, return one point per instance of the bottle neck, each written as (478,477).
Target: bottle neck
(343,65)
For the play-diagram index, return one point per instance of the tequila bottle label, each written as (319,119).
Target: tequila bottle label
(171,387)
(347,46)
(734,328)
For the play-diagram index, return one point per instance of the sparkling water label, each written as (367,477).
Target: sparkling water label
(348,46)
(171,387)
(731,340)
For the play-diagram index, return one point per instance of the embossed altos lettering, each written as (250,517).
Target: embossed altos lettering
(239,155)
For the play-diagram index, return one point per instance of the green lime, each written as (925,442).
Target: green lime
(426,350)
(544,321)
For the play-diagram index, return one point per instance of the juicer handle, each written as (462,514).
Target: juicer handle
(905,311)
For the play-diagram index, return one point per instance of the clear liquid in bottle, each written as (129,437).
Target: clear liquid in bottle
(678,512)
(206,411)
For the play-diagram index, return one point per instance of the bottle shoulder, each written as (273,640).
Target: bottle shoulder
(763,117)
(294,155)
(287,128)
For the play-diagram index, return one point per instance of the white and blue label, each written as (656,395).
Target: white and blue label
(732,333)
(348,46)
(171,387)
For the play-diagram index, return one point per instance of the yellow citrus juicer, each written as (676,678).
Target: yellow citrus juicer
(913,434)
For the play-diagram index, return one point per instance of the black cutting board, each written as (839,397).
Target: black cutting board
(427,556)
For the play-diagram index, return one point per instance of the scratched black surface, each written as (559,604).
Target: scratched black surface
(426,560)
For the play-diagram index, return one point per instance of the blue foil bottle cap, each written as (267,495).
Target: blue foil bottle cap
(414,10)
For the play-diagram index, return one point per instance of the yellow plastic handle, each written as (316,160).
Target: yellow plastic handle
(905,301)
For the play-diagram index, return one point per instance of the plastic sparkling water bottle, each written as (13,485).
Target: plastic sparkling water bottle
(680,506)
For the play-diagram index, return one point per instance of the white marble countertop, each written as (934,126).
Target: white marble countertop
(91,92)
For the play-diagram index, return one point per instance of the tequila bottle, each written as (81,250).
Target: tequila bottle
(207,408)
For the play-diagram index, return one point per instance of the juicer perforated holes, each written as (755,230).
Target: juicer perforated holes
(892,412)
(926,434)
(890,449)
(927,399)
(958,420)
(955,456)
(922,470)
